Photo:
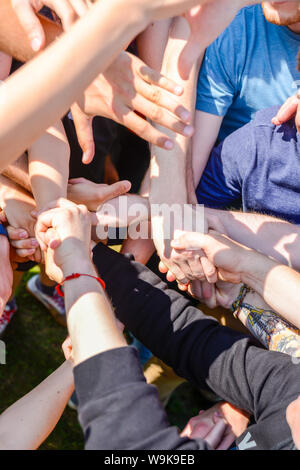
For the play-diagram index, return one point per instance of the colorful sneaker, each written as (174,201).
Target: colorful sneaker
(53,303)
(5,319)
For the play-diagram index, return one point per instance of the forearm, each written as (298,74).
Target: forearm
(50,94)
(268,235)
(168,170)
(275,333)
(91,322)
(13,39)
(48,160)
(29,421)
(18,172)
(277,284)
(10,191)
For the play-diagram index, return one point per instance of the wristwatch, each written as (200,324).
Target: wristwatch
(3,231)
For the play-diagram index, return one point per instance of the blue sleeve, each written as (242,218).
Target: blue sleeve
(221,70)
(222,181)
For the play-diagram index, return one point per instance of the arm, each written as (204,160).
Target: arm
(18,172)
(27,423)
(107,373)
(47,91)
(196,346)
(278,285)
(268,235)
(48,164)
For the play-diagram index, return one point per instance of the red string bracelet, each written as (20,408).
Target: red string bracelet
(76,276)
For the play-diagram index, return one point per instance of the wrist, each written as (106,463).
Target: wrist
(82,264)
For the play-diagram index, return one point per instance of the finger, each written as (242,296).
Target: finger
(27,244)
(3,218)
(298,118)
(30,23)
(227,441)
(16,233)
(164,100)
(84,130)
(25,253)
(77,180)
(163,268)
(178,273)
(80,6)
(286,112)
(188,240)
(209,270)
(112,191)
(152,77)
(206,290)
(145,130)
(64,11)
(159,115)
(215,436)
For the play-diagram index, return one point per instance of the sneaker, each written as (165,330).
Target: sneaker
(73,402)
(5,319)
(53,303)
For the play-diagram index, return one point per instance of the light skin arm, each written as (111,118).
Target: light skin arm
(55,90)
(48,160)
(27,423)
(18,172)
(272,237)
(207,127)
(277,285)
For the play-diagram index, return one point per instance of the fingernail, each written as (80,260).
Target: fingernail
(185,115)
(127,185)
(188,131)
(23,234)
(169,145)
(34,243)
(36,44)
(178,90)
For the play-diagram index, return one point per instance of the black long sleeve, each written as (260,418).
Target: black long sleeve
(201,350)
(119,410)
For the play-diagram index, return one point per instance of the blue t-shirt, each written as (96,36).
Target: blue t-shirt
(258,165)
(251,66)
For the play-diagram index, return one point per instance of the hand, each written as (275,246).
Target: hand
(6,273)
(82,191)
(129,86)
(26,10)
(210,426)
(229,257)
(196,266)
(206,22)
(287,111)
(64,232)
(19,209)
(23,248)
(202,424)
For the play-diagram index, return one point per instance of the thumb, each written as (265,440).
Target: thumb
(188,240)
(30,23)
(114,190)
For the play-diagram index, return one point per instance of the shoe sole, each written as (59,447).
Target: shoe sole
(57,317)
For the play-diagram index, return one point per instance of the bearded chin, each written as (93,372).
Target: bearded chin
(282,18)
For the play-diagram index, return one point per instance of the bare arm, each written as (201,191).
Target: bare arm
(28,422)
(18,172)
(207,127)
(268,235)
(48,160)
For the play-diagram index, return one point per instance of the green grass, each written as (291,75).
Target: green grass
(33,342)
